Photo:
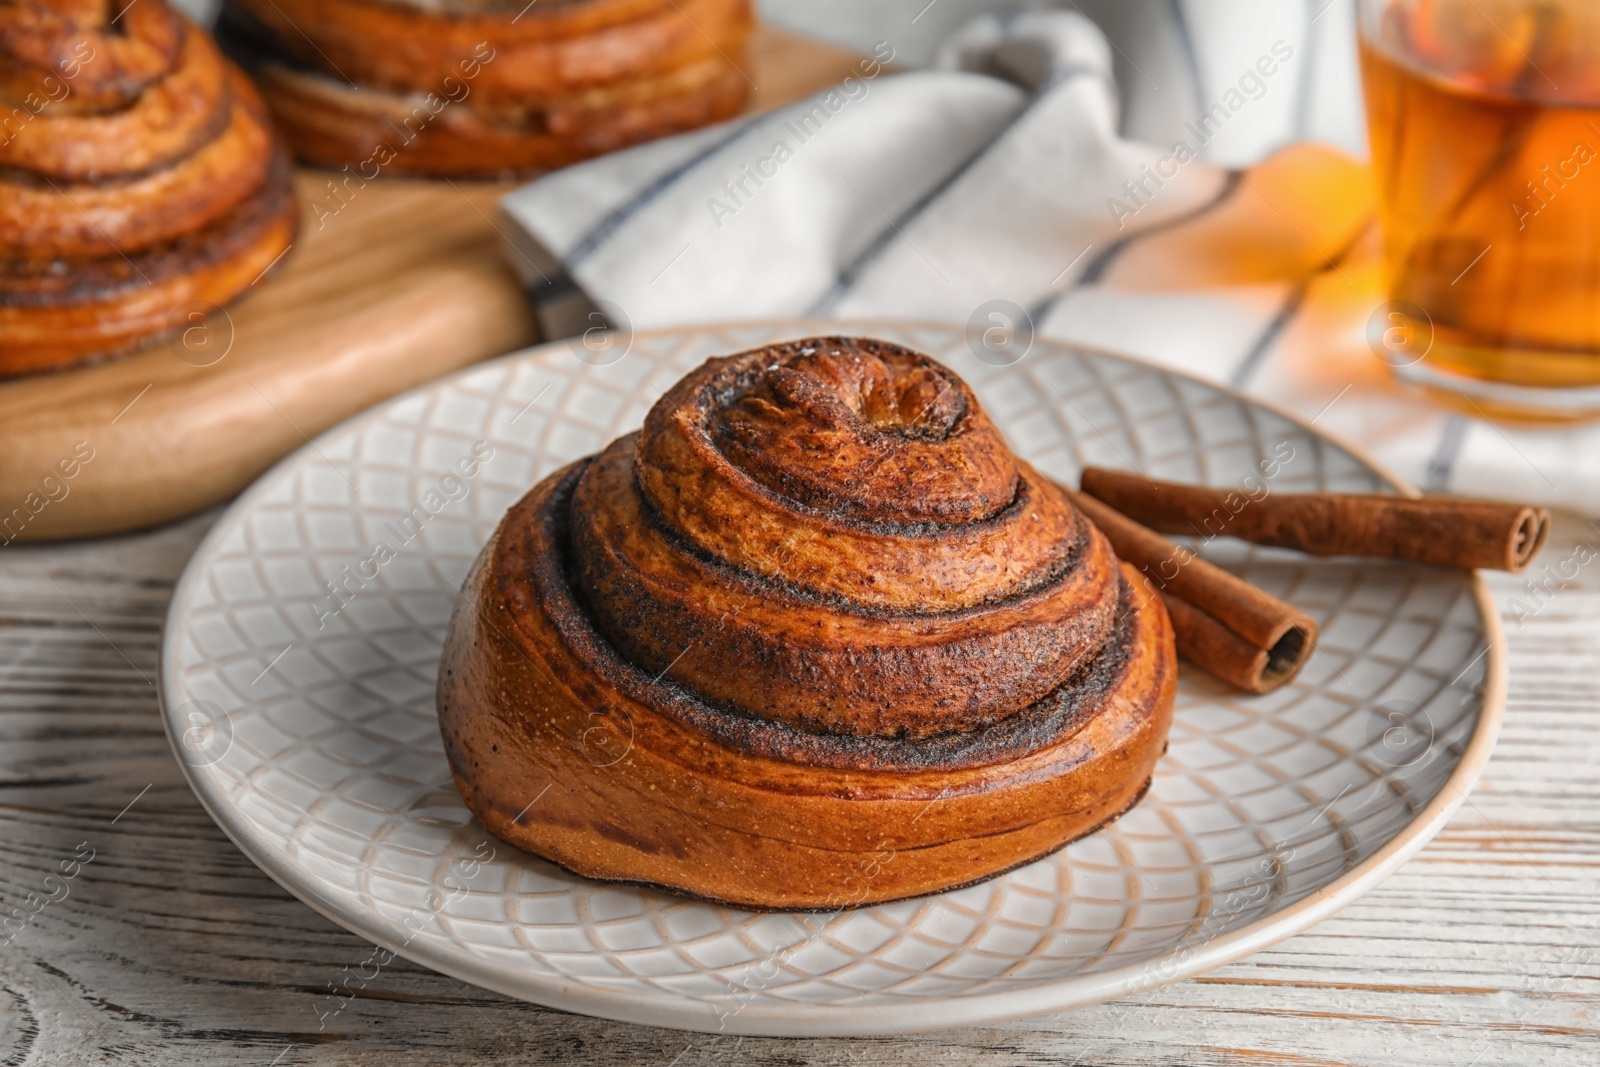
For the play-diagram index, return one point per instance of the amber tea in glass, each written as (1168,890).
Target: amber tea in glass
(1484,120)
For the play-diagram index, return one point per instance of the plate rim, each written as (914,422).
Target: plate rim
(871,1018)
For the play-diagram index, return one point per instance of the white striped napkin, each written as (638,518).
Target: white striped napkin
(1002,175)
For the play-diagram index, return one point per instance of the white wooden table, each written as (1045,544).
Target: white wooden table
(171,947)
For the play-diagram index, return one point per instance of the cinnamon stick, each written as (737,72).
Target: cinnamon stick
(1224,625)
(1442,532)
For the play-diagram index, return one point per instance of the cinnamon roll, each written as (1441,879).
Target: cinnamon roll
(812,638)
(484,88)
(139,179)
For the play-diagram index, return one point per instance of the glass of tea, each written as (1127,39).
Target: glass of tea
(1484,118)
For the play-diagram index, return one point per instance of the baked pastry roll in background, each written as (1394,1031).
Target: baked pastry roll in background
(140,179)
(812,638)
(487,88)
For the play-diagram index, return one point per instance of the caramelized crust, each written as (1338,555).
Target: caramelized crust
(670,609)
(126,215)
(142,183)
(481,88)
(690,471)
(719,729)
(170,120)
(108,65)
(51,318)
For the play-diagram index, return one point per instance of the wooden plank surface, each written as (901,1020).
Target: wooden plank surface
(389,285)
(172,948)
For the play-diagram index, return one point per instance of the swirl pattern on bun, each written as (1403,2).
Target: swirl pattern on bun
(140,179)
(484,88)
(814,612)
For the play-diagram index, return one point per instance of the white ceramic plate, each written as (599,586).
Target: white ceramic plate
(318,752)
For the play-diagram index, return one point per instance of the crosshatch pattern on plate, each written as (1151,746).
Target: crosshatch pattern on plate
(335,768)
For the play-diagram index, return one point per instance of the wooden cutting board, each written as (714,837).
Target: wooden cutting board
(404,284)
